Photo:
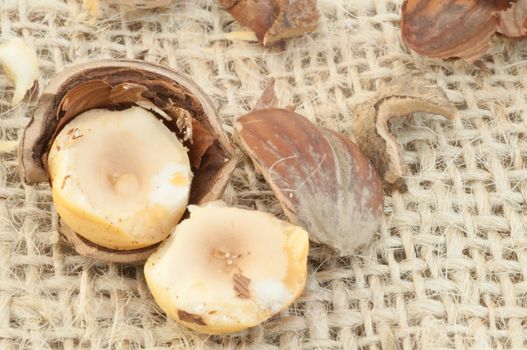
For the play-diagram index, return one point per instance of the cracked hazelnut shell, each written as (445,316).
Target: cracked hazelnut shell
(118,84)
(274,21)
(450,28)
(322,179)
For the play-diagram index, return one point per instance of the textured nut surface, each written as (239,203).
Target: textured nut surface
(226,269)
(322,180)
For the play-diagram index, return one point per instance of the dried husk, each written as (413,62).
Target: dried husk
(322,180)
(450,28)
(401,98)
(117,84)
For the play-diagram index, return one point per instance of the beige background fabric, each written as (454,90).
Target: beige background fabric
(449,264)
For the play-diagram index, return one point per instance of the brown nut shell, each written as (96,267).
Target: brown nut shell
(450,28)
(118,84)
(322,180)
(275,20)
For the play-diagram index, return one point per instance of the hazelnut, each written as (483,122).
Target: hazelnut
(119,195)
(226,269)
(85,139)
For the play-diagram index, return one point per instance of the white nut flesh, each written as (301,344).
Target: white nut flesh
(20,64)
(226,269)
(120,179)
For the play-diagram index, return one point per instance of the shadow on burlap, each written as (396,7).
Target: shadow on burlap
(447,267)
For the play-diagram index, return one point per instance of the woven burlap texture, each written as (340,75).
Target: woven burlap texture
(449,264)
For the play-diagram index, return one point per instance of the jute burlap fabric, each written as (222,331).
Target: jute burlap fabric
(448,267)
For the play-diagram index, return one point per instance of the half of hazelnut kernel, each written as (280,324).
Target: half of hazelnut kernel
(120,179)
(120,88)
(226,269)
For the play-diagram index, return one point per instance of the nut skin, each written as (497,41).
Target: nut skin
(322,179)
(450,28)
(116,84)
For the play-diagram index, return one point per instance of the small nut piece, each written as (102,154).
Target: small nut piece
(400,98)
(322,180)
(20,63)
(119,195)
(139,91)
(226,269)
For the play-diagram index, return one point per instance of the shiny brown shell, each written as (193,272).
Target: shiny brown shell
(322,180)
(450,28)
(118,84)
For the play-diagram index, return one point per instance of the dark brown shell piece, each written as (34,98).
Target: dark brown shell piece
(322,179)
(275,20)
(513,21)
(117,84)
(400,98)
(450,28)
